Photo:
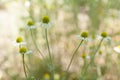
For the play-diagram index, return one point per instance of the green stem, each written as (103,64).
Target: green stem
(23,61)
(27,68)
(99,72)
(92,58)
(74,53)
(84,65)
(97,49)
(36,44)
(52,70)
(44,60)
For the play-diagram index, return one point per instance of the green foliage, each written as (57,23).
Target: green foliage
(40,67)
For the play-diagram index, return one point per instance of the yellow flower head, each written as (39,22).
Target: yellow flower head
(104,34)
(83,55)
(100,52)
(30,23)
(84,34)
(45,19)
(19,39)
(22,50)
(47,76)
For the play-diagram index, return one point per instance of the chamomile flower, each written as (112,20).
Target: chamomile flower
(45,22)
(104,36)
(24,50)
(83,36)
(117,49)
(47,76)
(19,41)
(85,56)
(31,24)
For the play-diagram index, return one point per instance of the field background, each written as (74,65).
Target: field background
(68,18)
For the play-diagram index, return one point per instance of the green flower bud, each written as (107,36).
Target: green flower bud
(84,34)
(45,19)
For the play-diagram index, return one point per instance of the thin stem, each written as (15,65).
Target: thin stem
(97,49)
(27,67)
(92,58)
(23,61)
(38,48)
(84,65)
(52,71)
(36,44)
(75,52)
(99,72)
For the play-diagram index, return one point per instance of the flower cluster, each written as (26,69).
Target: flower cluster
(46,23)
(22,48)
(47,76)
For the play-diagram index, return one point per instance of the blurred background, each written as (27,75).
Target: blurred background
(68,18)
